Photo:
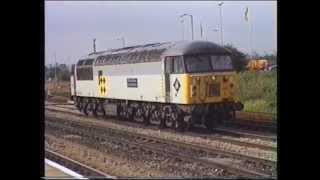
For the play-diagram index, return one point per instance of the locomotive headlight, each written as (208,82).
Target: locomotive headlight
(213,78)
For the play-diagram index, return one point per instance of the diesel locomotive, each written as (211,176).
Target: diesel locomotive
(170,84)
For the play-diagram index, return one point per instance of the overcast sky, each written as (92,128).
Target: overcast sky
(71,26)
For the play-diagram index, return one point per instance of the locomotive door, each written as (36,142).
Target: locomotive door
(168,70)
(173,71)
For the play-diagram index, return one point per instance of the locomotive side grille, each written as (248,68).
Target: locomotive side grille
(213,90)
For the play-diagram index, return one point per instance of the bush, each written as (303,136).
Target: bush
(257,91)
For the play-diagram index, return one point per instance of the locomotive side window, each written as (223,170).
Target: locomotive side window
(132,82)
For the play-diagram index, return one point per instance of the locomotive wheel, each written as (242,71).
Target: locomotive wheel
(169,119)
(210,125)
(126,113)
(130,114)
(99,111)
(179,125)
(80,105)
(94,106)
(89,108)
(211,121)
(138,114)
(85,108)
(169,122)
(155,117)
(121,112)
(77,101)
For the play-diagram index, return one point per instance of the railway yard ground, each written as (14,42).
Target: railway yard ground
(116,148)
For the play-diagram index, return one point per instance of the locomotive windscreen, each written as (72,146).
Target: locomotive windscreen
(207,63)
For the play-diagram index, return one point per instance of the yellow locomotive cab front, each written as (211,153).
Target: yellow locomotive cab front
(207,88)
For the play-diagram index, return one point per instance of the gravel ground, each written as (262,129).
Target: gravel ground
(144,162)
(114,165)
(70,108)
(255,152)
(97,133)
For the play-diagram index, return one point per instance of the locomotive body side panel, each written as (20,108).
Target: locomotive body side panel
(139,81)
(85,88)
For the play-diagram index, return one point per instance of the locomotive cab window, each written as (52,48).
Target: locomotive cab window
(88,62)
(84,73)
(80,62)
(207,63)
(174,65)
(221,62)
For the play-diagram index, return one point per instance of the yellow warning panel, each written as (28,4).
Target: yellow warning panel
(102,85)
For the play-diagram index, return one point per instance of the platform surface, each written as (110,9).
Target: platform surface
(53,169)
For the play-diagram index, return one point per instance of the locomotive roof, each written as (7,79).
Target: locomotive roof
(153,52)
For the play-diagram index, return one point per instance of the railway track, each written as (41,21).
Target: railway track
(76,166)
(248,134)
(197,133)
(254,121)
(256,116)
(251,125)
(255,167)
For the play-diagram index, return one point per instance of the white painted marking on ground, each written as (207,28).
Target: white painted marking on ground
(64,169)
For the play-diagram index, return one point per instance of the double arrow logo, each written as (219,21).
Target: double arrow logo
(102,85)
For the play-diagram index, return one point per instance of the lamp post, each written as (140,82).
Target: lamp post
(94,45)
(221,32)
(215,30)
(182,25)
(191,22)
